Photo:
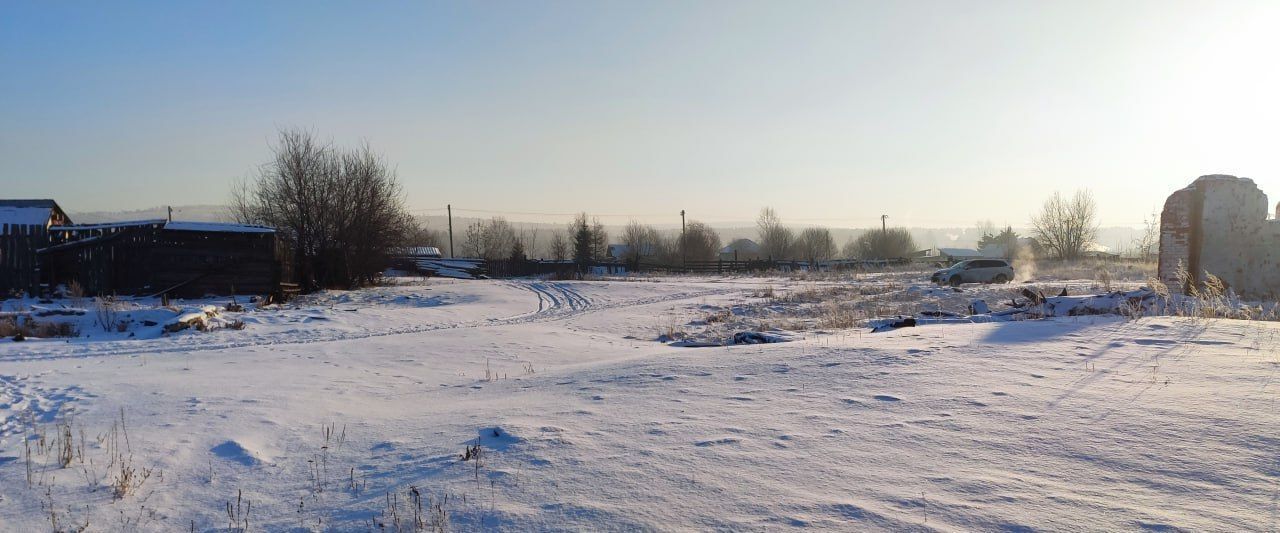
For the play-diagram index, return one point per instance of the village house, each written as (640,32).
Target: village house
(740,250)
(948,255)
(24,229)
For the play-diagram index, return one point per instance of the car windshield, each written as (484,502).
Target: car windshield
(961,264)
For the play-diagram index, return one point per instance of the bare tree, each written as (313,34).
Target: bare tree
(641,240)
(491,239)
(699,242)
(1147,243)
(559,246)
(340,211)
(893,243)
(1064,226)
(815,245)
(775,239)
(420,234)
(985,228)
(599,241)
(529,240)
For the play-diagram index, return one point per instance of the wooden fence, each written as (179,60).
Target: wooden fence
(19,267)
(765,265)
(507,268)
(146,259)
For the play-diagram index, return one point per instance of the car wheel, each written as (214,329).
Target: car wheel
(1001,278)
(955,280)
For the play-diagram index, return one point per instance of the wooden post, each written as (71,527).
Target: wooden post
(450,208)
(684,242)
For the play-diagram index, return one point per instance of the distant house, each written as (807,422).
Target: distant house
(24,229)
(740,250)
(616,251)
(947,255)
(619,252)
(1093,250)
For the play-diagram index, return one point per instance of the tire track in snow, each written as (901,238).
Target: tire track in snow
(556,301)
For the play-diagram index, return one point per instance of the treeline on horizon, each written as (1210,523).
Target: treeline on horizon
(342,213)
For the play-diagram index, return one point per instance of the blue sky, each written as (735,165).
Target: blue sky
(936,113)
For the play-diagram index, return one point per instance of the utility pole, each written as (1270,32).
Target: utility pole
(449,207)
(684,242)
(884,228)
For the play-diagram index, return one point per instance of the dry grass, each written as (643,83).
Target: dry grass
(47,453)
(107,311)
(673,332)
(413,513)
(836,316)
(719,316)
(1102,272)
(28,327)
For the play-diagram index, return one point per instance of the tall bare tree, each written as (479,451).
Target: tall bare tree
(775,239)
(340,211)
(893,243)
(641,240)
(815,245)
(529,241)
(699,242)
(1065,226)
(559,246)
(1149,241)
(599,241)
(490,239)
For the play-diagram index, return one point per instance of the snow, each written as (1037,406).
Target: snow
(450,268)
(172,225)
(317,410)
(108,225)
(216,226)
(24,216)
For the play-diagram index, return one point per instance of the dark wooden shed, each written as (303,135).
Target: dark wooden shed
(24,229)
(151,257)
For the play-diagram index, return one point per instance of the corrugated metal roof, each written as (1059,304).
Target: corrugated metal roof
(25,216)
(45,203)
(217,227)
(176,225)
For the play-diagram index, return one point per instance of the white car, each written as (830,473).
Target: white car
(975,271)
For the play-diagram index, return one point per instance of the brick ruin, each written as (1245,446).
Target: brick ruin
(1219,224)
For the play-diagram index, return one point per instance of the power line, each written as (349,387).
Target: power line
(541,213)
(867,221)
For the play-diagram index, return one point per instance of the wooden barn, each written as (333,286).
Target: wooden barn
(153,257)
(24,229)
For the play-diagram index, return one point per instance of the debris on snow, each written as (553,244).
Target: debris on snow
(757,337)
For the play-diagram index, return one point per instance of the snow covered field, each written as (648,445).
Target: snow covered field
(337,412)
